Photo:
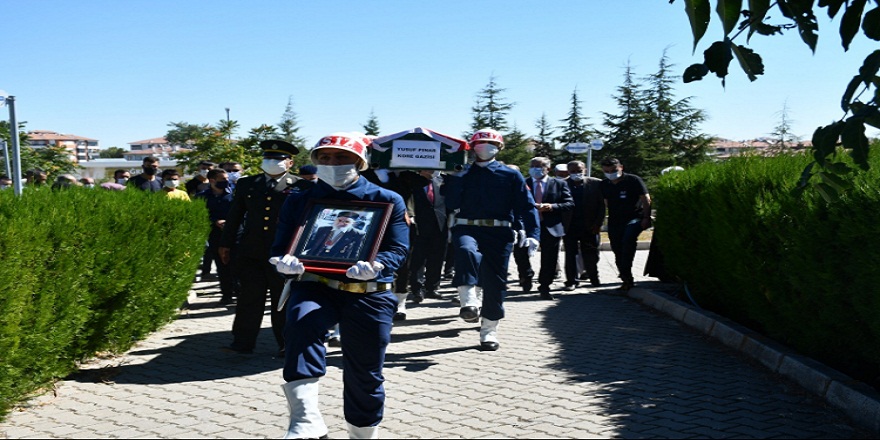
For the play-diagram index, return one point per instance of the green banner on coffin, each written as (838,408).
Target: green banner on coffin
(419,149)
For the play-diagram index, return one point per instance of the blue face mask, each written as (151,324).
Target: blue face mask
(536,173)
(233,176)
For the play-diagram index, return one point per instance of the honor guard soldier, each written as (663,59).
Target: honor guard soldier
(489,196)
(256,202)
(359,300)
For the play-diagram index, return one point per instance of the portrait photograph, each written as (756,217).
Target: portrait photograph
(336,234)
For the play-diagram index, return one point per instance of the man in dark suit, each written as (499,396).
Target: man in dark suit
(552,198)
(582,225)
(429,240)
(256,203)
(341,240)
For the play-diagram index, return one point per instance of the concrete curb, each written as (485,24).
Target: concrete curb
(858,401)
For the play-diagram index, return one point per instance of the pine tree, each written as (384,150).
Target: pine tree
(671,129)
(289,126)
(624,129)
(490,109)
(544,140)
(782,139)
(574,130)
(371,128)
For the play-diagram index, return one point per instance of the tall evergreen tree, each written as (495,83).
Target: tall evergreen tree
(490,109)
(371,128)
(544,139)
(575,129)
(624,129)
(781,138)
(671,130)
(289,126)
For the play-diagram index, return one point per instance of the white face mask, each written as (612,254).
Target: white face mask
(536,172)
(485,151)
(274,167)
(171,183)
(338,176)
(612,176)
(576,176)
(203,173)
(122,180)
(233,176)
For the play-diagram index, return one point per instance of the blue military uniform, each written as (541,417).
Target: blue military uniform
(488,198)
(317,303)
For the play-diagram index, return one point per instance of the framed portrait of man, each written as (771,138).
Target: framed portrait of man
(338,233)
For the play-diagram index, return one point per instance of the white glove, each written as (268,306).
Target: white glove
(364,270)
(532,244)
(287,265)
(519,238)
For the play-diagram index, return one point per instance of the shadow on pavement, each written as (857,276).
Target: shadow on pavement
(198,357)
(664,380)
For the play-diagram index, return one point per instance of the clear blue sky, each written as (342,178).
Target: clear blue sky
(120,71)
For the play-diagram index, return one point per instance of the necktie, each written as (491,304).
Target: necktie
(331,239)
(539,192)
(431,193)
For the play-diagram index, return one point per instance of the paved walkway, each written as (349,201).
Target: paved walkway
(590,364)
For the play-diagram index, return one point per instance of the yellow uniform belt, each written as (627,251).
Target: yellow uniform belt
(364,287)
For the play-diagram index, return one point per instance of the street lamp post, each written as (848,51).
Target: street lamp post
(16,147)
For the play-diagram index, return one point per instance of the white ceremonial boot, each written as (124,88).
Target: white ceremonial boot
(470,303)
(489,335)
(365,432)
(400,314)
(305,417)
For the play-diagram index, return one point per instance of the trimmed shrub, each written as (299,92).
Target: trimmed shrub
(84,271)
(790,265)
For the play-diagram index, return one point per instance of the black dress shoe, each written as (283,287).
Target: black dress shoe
(626,286)
(399,316)
(433,295)
(489,346)
(571,287)
(595,282)
(544,293)
(418,296)
(334,341)
(469,314)
(526,285)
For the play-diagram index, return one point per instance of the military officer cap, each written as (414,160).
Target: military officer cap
(348,214)
(276,148)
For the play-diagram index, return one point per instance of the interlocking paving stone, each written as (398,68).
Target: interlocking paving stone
(592,364)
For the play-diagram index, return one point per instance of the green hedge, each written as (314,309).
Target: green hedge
(85,271)
(800,270)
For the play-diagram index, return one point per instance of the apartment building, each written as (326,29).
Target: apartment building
(81,148)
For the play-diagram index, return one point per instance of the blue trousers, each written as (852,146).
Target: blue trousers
(624,238)
(481,258)
(365,323)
